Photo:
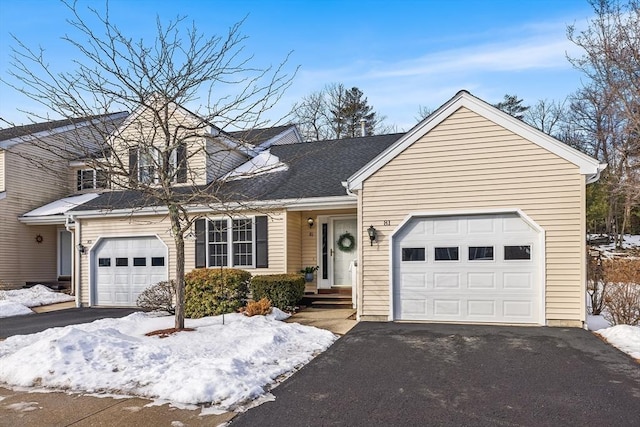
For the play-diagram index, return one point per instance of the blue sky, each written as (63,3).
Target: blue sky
(401,53)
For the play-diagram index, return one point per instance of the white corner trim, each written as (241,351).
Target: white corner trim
(587,165)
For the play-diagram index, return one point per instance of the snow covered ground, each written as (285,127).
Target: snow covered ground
(624,337)
(223,366)
(629,241)
(16,302)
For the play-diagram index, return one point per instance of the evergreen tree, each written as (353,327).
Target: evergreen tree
(512,106)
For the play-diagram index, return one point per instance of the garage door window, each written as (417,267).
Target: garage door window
(517,253)
(104,262)
(480,253)
(122,262)
(139,262)
(413,254)
(447,254)
(157,261)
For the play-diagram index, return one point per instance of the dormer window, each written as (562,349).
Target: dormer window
(90,179)
(145,165)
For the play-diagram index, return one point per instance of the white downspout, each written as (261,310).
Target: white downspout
(70,225)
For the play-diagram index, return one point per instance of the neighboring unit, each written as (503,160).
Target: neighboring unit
(472,216)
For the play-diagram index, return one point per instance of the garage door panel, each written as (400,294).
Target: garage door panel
(130,269)
(459,289)
(481,280)
(447,308)
(446,280)
(481,308)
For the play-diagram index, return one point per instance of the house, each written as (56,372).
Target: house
(40,252)
(471,216)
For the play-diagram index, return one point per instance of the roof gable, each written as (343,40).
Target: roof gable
(587,165)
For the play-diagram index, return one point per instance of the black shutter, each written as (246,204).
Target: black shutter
(133,165)
(201,243)
(262,256)
(181,160)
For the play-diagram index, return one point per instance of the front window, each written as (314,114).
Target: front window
(231,242)
(150,162)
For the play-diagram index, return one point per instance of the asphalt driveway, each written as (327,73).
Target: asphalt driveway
(392,374)
(37,322)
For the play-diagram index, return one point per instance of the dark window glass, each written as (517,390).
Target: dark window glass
(517,252)
(104,262)
(446,254)
(157,261)
(242,235)
(480,253)
(139,262)
(325,251)
(413,254)
(102,179)
(218,243)
(122,262)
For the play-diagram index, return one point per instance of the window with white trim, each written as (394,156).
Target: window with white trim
(151,160)
(233,248)
(90,179)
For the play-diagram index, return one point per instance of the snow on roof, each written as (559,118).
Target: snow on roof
(61,206)
(265,162)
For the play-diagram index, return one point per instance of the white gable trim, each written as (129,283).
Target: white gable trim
(588,166)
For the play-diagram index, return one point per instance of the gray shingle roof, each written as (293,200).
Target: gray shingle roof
(258,136)
(316,169)
(24,130)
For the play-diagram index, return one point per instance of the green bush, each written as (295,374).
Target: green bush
(213,291)
(283,290)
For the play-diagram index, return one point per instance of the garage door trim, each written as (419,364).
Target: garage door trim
(92,262)
(431,214)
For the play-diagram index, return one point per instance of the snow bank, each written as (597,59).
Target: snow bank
(624,337)
(224,365)
(35,296)
(10,308)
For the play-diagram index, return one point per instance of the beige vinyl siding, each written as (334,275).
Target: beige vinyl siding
(1,170)
(294,242)
(221,159)
(93,229)
(29,185)
(469,163)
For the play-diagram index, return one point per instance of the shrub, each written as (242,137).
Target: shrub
(622,295)
(596,285)
(213,291)
(283,290)
(258,308)
(158,297)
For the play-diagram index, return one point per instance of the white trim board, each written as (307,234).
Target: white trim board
(588,166)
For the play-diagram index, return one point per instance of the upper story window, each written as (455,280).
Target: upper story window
(149,165)
(89,179)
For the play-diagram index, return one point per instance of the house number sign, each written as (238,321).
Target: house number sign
(386,222)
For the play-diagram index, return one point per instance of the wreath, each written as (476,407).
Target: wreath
(346,242)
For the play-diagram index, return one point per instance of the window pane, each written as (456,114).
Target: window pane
(139,262)
(218,243)
(517,252)
(242,242)
(102,179)
(104,262)
(157,261)
(480,253)
(413,254)
(446,254)
(85,179)
(122,262)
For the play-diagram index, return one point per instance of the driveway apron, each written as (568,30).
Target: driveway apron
(392,374)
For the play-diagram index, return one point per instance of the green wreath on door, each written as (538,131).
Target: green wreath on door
(346,242)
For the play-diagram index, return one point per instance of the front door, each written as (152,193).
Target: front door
(337,251)
(65,252)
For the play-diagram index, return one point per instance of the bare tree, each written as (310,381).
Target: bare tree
(611,62)
(424,112)
(547,116)
(149,153)
(336,112)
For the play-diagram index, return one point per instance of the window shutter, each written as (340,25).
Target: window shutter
(201,243)
(133,165)
(262,256)
(181,160)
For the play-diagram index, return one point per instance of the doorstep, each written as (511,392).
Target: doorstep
(54,307)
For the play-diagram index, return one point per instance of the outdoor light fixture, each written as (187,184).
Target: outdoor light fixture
(81,248)
(310,222)
(373,234)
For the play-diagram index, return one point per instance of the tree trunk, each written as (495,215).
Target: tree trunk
(178,238)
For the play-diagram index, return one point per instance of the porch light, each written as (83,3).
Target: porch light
(373,234)
(81,248)
(310,222)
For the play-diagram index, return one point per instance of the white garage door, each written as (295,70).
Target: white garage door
(475,268)
(124,267)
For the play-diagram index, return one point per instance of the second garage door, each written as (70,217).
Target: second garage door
(473,268)
(124,267)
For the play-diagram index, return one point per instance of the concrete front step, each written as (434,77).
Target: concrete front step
(325,300)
